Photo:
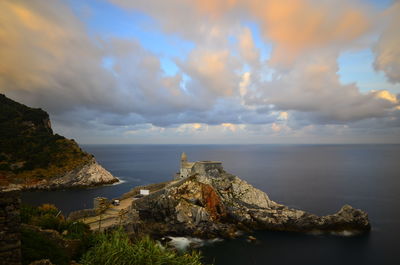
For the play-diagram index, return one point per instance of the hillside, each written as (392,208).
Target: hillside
(29,151)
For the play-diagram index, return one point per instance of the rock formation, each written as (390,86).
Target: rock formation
(88,175)
(32,157)
(218,204)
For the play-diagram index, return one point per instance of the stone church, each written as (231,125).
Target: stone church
(205,168)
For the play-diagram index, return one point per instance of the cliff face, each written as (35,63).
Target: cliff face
(31,156)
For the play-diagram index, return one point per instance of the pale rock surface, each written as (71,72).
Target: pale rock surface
(90,174)
(218,205)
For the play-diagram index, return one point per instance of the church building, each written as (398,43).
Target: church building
(207,168)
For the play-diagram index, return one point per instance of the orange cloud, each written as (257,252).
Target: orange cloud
(46,54)
(247,47)
(215,8)
(213,70)
(387,49)
(298,26)
(386,95)
(32,45)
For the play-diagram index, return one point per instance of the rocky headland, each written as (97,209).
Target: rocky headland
(89,174)
(208,202)
(33,157)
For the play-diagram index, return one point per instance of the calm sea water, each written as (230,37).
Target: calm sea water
(316,178)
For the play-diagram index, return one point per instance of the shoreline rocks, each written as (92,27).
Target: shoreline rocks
(33,157)
(207,206)
(211,203)
(89,175)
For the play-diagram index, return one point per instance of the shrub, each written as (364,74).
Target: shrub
(48,221)
(47,216)
(116,249)
(27,212)
(35,246)
(48,208)
(77,230)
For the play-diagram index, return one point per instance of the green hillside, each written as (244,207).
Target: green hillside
(29,151)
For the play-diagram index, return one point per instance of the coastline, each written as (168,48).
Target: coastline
(209,203)
(92,174)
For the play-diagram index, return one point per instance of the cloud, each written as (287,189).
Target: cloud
(307,38)
(212,73)
(222,86)
(45,53)
(247,47)
(387,49)
(49,60)
(284,115)
(313,86)
(297,28)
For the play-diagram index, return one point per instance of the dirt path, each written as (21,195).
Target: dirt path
(110,216)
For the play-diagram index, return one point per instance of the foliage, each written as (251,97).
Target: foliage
(35,246)
(48,216)
(27,212)
(116,248)
(29,149)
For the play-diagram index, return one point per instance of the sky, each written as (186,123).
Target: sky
(207,71)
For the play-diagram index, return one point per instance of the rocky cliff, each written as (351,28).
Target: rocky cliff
(32,157)
(218,205)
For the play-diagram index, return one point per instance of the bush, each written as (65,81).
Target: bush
(48,221)
(35,246)
(48,208)
(46,216)
(27,212)
(116,249)
(77,230)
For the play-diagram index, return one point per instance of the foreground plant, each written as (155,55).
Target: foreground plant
(116,248)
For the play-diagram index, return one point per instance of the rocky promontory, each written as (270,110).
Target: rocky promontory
(208,202)
(33,157)
(88,175)
(219,206)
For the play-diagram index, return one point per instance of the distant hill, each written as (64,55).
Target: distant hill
(29,151)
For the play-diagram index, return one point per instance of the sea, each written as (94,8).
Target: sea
(316,178)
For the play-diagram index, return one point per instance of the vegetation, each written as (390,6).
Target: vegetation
(29,151)
(35,246)
(47,216)
(113,247)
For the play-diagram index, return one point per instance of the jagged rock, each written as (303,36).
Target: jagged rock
(91,174)
(219,204)
(33,157)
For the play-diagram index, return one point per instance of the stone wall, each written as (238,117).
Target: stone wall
(185,172)
(81,214)
(10,223)
(208,168)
